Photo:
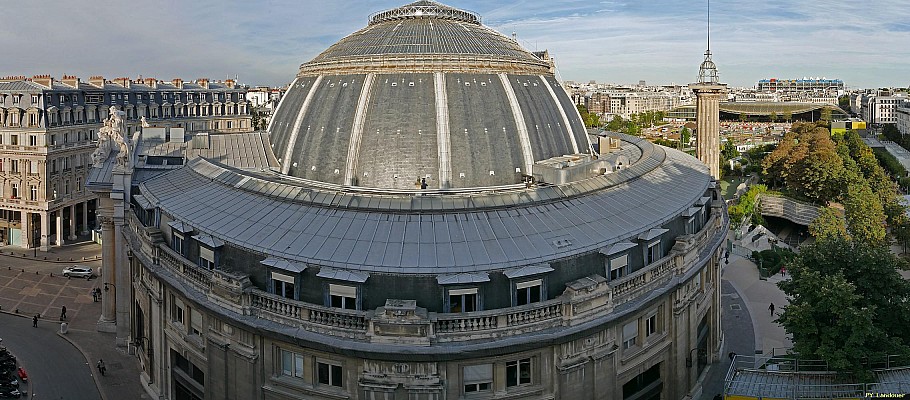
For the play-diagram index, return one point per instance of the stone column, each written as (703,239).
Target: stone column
(59,237)
(122,282)
(85,228)
(707,134)
(108,299)
(72,220)
(45,230)
(26,229)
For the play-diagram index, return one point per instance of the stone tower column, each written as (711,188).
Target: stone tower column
(707,115)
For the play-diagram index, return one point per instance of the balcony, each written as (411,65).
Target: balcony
(584,300)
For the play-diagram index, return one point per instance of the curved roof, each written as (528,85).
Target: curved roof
(409,235)
(766,108)
(453,130)
(424,95)
(421,30)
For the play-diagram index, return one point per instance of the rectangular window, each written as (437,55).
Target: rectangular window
(328,374)
(462,300)
(342,296)
(690,226)
(651,325)
(177,244)
(630,335)
(478,378)
(33,167)
(618,266)
(528,292)
(283,285)
(14,140)
(33,193)
(177,311)
(291,364)
(653,252)
(34,99)
(196,322)
(518,372)
(32,140)
(206,257)
(15,190)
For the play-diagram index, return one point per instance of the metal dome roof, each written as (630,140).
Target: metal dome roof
(426,29)
(424,97)
(425,9)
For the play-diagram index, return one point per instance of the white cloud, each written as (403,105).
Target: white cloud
(661,41)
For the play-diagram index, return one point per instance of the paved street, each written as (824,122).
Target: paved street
(739,337)
(35,286)
(56,369)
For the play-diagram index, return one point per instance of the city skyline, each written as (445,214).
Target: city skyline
(607,41)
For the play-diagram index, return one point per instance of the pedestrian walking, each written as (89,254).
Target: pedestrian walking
(35,321)
(101,367)
(63,313)
(771,308)
(94,296)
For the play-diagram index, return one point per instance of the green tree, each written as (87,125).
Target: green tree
(685,136)
(828,224)
(256,118)
(788,115)
(590,119)
(729,151)
(616,124)
(865,216)
(773,116)
(743,118)
(825,114)
(847,304)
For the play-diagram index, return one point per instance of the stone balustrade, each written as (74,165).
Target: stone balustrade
(566,310)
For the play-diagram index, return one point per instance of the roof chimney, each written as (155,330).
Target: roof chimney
(230,83)
(97,81)
(12,78)
(151,82)
(43,80)
(177,83)
(125,82)
(70,80)
(204,82)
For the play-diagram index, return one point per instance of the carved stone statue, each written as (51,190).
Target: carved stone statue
(112,131)
(104,144)
(144,122)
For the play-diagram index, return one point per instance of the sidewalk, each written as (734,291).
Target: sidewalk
(31,286)
(759,295)
(81,250)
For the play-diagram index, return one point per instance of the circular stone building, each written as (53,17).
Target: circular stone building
(426,218)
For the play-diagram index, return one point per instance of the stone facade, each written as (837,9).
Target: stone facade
(48,129)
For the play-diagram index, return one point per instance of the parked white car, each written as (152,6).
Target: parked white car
(79,272)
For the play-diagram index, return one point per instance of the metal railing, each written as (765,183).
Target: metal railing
(443,327)
(791,377)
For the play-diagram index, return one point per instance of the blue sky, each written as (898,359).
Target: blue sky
(865,43)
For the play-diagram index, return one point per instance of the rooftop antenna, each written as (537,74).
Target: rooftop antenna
(707,73)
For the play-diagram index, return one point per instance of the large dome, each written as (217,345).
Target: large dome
(425,91)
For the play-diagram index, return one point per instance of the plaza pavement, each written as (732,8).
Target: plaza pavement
(30,286)
(749,328)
